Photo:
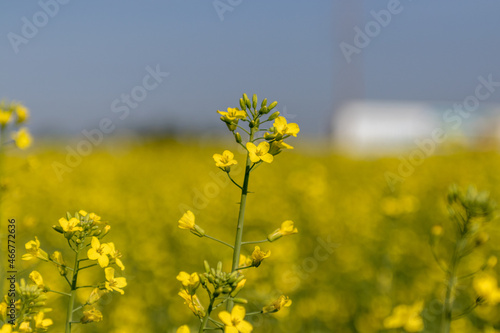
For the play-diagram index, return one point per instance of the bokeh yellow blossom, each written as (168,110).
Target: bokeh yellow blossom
(407,317)
(22,138)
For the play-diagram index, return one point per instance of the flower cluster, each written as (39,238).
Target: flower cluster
(262,145)
(84,233)
(30,308)
(14,115)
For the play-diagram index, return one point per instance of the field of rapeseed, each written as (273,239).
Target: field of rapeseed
(361,262)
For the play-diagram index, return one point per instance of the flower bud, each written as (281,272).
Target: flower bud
(58,229)
(207,266)
(237,137)
(242,104)
(274,115)
(247,101)
(254,101)
(264,103)
(240,301)
(273,105)
(219,267)
(264,110)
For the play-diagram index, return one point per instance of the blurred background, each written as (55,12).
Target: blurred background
(396,100)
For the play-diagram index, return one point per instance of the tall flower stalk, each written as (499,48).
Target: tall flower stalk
(470,212)
(261,146)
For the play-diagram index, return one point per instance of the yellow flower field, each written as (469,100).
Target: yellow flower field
(360,262)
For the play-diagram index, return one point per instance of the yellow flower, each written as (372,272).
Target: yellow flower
(225,160)
(233,113)
(99,252)
(286,229)
(235,321)
(182,329)
(486,287)
(258,256)
(239,286)
(22,113)
(407,317)
(260,152)
(187,222)
(277,146)
(193,303)
(6,328)
(189,281)
(3,311)
(91,316)
(25,327)
(114,283)
(59,261)
(282,302)
(41,323)
(282,127)
(34,251)
(4,117)
(36,277)
(71,225)
(245,261)
(116,255)
(82,212)
(96,294)
(22,138)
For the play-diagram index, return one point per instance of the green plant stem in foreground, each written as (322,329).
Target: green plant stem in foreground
(207,316)
(452,280)
(241,219)
(69,316)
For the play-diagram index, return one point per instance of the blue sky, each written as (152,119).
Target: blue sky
(91,52)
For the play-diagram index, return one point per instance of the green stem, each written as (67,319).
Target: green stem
(452,280)
(235,183)
(69,316)
(241,218)
(58,292)
(218,240)
(207,316)
(255,242)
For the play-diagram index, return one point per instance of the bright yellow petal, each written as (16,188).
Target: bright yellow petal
(103,260)
(225,317)
(228,154)
(95,243)
(238,312)
(263,147)
(251,147)
(121,282)
(230,329)
(110,273)
(253,157)
(92,254)
(244,327)
(268,158)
